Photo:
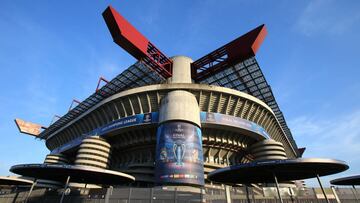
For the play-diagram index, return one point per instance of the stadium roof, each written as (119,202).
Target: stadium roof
(136,75)
(247,77)
(234,66)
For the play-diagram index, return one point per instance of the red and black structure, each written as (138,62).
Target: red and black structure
(243,48)
(230,54)
(136,44)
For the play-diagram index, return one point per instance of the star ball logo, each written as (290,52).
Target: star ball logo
(178,128)
(147,117)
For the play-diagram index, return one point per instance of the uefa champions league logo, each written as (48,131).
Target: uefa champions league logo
(147,117)
(179,153)
(179,147)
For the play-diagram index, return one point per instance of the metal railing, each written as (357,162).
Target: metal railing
(181,195)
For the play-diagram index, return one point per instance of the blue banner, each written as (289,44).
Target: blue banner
(115,125)
(153,118)
(237,122)
(179,155)
(128,121)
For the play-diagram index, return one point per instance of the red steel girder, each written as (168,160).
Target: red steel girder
(237,50)
(72,103)
(136,44)
(99,81)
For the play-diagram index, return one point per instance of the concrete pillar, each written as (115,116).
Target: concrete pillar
(179,155)
(179,105)
(94,151)
(181,69)
(227,194)
(56,159)
(268,150)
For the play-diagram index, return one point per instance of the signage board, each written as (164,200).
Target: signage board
(179,155)
(217,118)
(153,118)
(28,127)
(137,119)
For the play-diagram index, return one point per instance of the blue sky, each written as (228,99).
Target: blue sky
(54,51)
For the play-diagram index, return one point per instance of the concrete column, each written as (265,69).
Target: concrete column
(94,151)
(227,194)
(179,105)
(56,159)
(268,150)
(179,155)
(181,69)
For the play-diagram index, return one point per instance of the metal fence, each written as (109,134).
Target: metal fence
(181,195)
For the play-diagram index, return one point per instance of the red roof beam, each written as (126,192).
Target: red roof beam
(247,45)
(72,103)
(99,81)
(136,44)
(237,50)
(53,119)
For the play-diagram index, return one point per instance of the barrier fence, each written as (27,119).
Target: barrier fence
(181,195)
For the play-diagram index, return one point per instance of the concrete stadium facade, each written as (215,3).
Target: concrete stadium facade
(120,132)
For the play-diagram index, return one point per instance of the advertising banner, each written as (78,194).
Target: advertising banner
(28,127)
(179,155)
(148,118)
(218,118)
(128,121)
(137,119)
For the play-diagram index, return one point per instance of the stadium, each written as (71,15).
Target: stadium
(170,121)
(223,98)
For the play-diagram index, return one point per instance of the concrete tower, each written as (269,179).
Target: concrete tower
(179,156)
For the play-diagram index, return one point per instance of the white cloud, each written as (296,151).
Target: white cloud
(336,137)
(322,17)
